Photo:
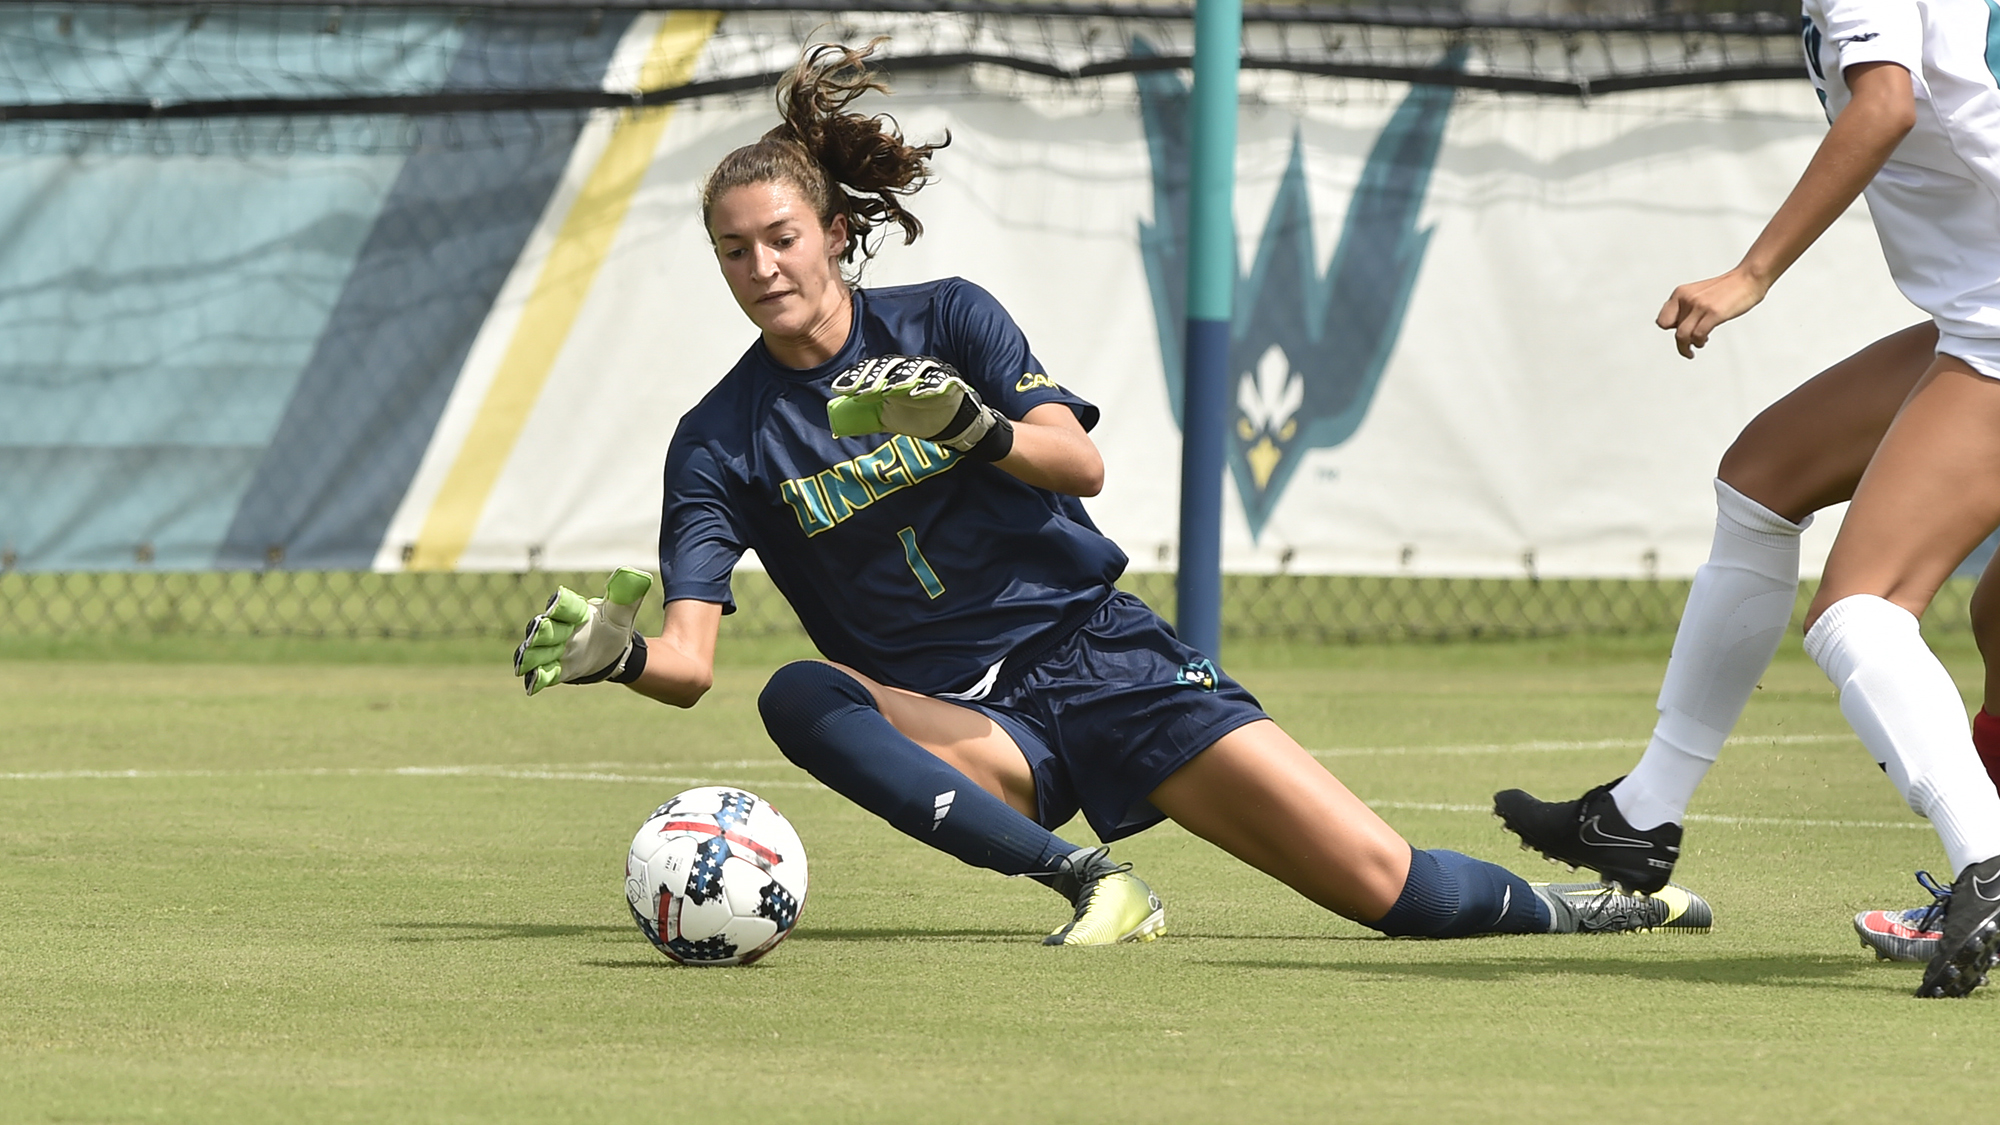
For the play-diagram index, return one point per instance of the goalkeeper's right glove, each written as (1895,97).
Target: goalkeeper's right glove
(575,641)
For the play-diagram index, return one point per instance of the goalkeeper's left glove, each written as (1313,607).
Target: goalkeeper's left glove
(921,397)
(575,641)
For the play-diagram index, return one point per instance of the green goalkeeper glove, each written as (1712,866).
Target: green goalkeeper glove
(921,397)
(575,641)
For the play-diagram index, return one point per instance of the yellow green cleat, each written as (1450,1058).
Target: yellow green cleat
(1112,904)
(1593,908)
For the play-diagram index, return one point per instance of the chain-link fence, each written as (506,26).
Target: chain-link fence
(1305,608)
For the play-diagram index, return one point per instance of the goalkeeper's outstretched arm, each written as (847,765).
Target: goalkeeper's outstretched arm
(680,662)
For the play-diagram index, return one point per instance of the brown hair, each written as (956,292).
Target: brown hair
(843,163)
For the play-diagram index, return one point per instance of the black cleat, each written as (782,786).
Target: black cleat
(1591,832)
(1971,942)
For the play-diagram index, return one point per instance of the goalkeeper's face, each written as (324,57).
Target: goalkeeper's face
(782,266)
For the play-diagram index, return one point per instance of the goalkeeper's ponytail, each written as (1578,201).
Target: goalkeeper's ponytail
(842,163)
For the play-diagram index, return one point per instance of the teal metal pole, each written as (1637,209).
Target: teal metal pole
(1218,38)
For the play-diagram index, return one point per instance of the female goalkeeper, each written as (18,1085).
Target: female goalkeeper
(909,475)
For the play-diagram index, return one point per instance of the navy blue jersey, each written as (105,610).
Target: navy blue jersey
(906,561)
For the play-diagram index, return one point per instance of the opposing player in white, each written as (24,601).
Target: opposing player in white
(1909,428)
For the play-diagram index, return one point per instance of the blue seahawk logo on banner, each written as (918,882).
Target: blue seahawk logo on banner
(1306,349)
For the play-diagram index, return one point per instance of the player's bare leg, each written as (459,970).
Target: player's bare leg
(1806,451)
(967,739)
(1259,796)
(1913,933)
(1931,493)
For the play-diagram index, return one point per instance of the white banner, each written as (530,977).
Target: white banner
(1500,403)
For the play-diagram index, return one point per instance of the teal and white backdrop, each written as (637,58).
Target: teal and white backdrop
(474,359)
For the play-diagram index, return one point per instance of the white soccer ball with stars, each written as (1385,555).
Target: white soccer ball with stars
(716,876)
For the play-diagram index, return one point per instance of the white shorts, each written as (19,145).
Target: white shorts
(1981,353)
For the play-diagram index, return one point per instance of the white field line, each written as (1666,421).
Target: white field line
(1773,821)
(1562,747)
(1547,747)
(516,773)
(639,771)
(602,772)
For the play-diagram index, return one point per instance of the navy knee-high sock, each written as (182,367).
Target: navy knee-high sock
(829,726)
(1453,895)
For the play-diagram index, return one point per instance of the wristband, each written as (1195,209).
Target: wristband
(634,664)
(997,442)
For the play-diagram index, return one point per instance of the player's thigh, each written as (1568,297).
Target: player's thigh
(968,739)
(1808,450)
(1929,496)
(1259,796)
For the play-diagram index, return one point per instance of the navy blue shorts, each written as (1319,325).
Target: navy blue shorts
(1108,713)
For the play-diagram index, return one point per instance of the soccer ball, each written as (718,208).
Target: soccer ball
(716,876)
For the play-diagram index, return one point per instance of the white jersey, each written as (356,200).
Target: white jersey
(1936,204)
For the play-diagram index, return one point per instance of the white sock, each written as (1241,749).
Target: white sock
(1736,614)
(1902,703)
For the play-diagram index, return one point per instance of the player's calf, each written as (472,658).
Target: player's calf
(1450,895)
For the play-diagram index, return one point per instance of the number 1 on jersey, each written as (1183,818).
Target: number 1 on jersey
(919,565)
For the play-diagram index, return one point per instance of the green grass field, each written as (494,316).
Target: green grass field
(259,881)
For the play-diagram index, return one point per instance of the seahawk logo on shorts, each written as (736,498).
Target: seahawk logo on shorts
(1307,348)
(1198,673)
